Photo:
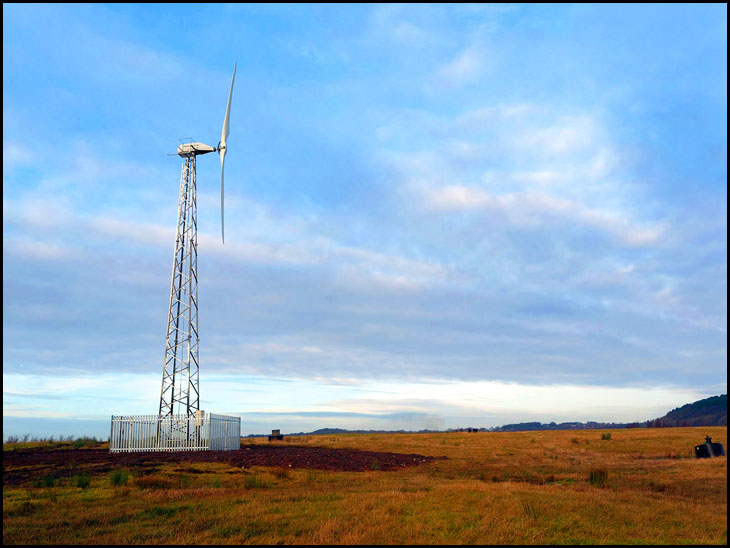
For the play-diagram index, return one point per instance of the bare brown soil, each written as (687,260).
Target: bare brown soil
(31,464)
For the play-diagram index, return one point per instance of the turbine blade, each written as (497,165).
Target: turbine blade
(224,133)
(223,158)
(222,145)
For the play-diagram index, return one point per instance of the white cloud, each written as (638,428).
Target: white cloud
(265,240)
(549,402)
(37,250)
(568,135)
(131,231)
(533,210)
(526,165)
(37,212)
(490,403)
(16,154)
(406,32)
(463,69)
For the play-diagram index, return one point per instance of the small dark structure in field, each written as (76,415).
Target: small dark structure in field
(709,449)
(276,435)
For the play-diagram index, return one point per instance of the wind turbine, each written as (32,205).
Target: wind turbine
(180,394)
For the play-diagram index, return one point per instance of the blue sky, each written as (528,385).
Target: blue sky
(436,215)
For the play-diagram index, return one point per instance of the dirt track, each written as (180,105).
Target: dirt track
(30,464)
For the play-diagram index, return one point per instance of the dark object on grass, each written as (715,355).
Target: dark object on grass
(708,449)
(276,435)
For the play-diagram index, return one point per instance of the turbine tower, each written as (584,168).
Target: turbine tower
(180,395)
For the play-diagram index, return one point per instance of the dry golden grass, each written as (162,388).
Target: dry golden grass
(496,488)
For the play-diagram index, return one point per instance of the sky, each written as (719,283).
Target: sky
(437,216)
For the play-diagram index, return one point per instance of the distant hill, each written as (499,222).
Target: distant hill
(332,431)
(708,412)
(528,426)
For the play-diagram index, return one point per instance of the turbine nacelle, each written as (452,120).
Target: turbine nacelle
(187,150)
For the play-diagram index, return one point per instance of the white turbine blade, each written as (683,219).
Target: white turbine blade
(224,133)
(222,145)
(223,159)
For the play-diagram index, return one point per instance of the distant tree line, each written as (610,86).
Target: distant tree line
(708,412)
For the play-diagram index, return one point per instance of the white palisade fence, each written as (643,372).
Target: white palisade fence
(204,432)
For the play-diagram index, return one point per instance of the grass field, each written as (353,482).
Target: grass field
(641,486)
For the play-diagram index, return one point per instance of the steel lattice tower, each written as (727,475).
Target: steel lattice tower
(180,394)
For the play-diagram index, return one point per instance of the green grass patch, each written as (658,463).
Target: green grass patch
(152,482)
(598,477)
(119,477)
(25,508)
(161,512)
(82,481)
(226,531)
(46,481)
(281,473)
(255,482)
(532,509)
